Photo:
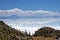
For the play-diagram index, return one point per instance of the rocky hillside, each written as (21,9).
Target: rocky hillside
(8,33)
(47,32)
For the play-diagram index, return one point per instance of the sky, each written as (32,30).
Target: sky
(30,15)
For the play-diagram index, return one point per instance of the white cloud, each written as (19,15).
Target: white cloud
(20,12)
(29,24)
(29,29)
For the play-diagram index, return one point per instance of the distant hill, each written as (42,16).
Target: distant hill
(8,33)
(47,32)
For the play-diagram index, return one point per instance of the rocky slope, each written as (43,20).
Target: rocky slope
(47,32)
(8,33)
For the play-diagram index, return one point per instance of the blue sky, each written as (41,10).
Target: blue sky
(51,5)
(30,14)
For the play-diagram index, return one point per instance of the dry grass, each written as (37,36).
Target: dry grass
(43,38)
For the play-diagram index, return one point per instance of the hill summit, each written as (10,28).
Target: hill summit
(47,32)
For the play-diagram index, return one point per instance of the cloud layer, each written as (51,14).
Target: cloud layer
(28,14)
(30,19)
(33,24)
